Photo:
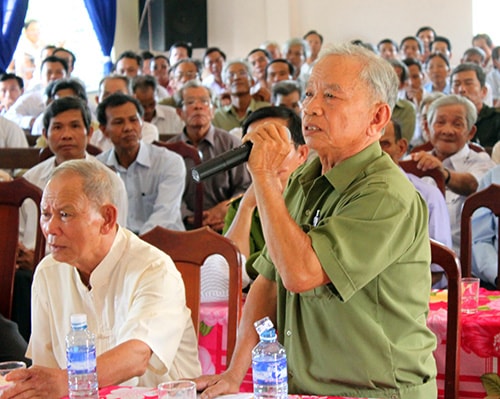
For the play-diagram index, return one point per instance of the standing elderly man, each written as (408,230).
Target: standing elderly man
(194,106)
(127,288)
(451,122)
(347,246)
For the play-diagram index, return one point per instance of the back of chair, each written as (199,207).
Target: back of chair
(488,198)
(188,151)
(447,259)
(18,158)
(411,167)
(12,195)
(428,147)
(188,250)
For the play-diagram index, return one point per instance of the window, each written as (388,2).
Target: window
(67,24)
(485,18)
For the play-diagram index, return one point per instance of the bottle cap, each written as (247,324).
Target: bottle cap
(78,320)
(263,325)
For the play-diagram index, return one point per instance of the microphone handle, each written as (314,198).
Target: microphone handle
(222,162)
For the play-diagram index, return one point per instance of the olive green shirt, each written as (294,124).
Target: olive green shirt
(364,334)
(226,117)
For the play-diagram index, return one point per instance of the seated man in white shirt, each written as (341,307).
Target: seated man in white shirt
(164,117)
(31,104)
(154,176)
(451,122)
(133,295)
(118,84)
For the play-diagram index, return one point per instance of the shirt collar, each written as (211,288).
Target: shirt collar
(343,174)
(209,136)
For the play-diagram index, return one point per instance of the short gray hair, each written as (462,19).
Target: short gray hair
(179,94)
(296,41)
(376,72)
(453,99)
(99,185)
(241,61)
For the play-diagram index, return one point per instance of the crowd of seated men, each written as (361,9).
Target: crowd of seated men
(445,104)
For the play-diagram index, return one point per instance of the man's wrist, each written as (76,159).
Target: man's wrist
(447,176)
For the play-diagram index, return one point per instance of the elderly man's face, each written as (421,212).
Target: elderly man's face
(70,222)
(277,72)
(258,61)
(338,108)
(197,110)
(449,131)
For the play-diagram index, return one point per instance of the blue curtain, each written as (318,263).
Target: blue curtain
(12,14)
(103,16)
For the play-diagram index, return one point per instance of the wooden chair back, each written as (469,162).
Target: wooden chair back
(428,147)
(19,158)
(12,195)
(46,153)
(487,198)
(188,151)
(188,250)
(447,259)
(411,167)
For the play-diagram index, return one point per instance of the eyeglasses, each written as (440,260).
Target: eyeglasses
(237,74)
(191,101)
(189,75)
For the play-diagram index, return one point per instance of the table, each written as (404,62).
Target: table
(148,393)
(480,347)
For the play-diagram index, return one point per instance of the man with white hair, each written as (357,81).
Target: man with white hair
(347,246)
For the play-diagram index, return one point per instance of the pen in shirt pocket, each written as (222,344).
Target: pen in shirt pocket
(316,219)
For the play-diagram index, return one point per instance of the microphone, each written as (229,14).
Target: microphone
(222,162)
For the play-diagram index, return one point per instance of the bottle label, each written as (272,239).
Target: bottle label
(81,360)
(269,372)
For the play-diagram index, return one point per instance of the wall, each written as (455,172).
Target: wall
(237,26)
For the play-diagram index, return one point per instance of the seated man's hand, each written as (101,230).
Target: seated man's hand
(215,385)
(37,382)
(214,217)
(25,257)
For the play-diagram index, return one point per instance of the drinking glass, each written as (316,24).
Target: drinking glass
(182,389)
(470,294)
(6,368)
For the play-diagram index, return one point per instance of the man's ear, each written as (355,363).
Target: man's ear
(380,119)
(109,213)
(102,128)
(44,133)
(472,132)
(90,132)
(403,147)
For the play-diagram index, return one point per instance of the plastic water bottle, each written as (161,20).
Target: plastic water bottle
(81,357)
(270,379)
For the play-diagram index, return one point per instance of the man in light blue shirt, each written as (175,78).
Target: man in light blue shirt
(154,177)
(485,235)
(395,145)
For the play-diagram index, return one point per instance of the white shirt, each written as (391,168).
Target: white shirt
(39,175)
(155,184)
(464,161)
(137,293)
(11,135)
(149,134)
(167,121)
(28,106)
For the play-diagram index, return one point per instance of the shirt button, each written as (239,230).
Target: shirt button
(307,212)
(288,333)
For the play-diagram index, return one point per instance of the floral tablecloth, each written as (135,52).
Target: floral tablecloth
(480,347)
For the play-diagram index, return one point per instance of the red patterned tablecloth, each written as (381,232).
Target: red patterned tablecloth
(480,348)
(212,341)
